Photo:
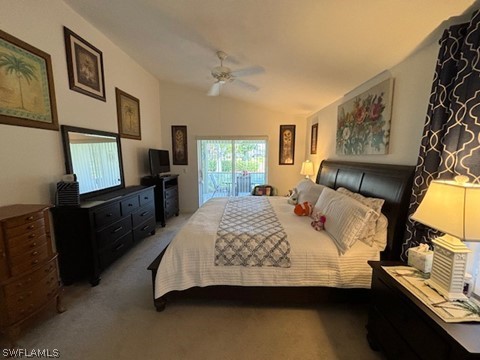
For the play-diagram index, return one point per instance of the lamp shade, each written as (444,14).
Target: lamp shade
(307,168)
(453,208)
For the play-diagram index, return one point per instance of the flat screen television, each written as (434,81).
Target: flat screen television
(159,161)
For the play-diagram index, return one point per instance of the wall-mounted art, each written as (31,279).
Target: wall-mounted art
(85,66)
(128,115)
(287,145)
(179,145)
(27,93)
(363,123)
(313,139)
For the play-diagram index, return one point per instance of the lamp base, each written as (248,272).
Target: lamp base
(448,268)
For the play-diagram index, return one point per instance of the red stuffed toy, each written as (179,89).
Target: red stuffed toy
(304,209)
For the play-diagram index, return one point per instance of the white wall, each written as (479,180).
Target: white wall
(413,80)
(206,116)
(31,160)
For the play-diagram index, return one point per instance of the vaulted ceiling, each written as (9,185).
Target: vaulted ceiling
(298,55)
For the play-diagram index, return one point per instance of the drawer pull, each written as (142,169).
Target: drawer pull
(145,227)
(30,218)
(109,215)
(146,198)
(119,247)
(33,244)
(31,236)
(35,262)
(35,253)
(145,213)
(117,229)
(130,204)
(30,227)
(49,269)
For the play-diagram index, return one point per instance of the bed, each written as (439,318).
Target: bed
(187,267)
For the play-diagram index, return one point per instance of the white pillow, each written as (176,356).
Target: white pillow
(380,237)
(346,218)
(311,195)
(304,185)
(374,204)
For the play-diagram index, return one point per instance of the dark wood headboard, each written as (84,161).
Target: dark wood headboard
(390,182)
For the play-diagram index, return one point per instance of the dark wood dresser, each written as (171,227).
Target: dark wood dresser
(166,196)
(93,235)
(403,327)
(29,278)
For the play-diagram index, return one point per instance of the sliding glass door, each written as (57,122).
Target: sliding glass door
(231,167)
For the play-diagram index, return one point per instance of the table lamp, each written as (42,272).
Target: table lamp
(451,207)
(307,169)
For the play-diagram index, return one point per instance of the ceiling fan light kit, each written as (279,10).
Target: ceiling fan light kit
(223,74)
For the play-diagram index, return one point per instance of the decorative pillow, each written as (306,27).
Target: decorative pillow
(311,194)
(318,222)
(374,204)
(304,209)
(380,238)
(347,218)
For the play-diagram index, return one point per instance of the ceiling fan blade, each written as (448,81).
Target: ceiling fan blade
(249,71)
(246,85)
(214,90)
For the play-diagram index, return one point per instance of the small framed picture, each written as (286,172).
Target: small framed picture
(85,66)
(128,115)
(179,145)
(27,93)
(313,139)
(287,145)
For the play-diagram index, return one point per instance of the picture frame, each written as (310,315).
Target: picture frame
(128,115)
(313,139)
(27,91)
(287,145)
(363,122)
(84,65)
(179,145)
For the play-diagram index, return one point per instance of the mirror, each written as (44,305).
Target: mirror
(95,157)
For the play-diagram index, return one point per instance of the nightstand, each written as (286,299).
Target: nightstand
(403,327)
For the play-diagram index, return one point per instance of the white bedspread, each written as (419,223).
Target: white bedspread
(315,260)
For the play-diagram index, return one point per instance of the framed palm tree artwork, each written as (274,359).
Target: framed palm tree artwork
(128,115)
(27,93)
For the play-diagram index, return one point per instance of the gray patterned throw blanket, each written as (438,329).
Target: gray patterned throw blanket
(250,234)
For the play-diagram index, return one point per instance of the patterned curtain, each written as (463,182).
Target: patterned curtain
(450,143)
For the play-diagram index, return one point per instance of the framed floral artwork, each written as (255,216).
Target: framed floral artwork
(179,145)
(85,66)
(313,139)
(363,123)
(128,115)
(287,145)
(27,93)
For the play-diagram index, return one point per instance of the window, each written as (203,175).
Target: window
(231,167)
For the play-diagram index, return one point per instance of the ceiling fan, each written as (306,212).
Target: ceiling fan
(223,75)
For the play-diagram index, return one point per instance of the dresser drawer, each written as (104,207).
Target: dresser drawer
(26,243)
(171,193)
(21,263)
(414,330)
(26,282)
(23,220)
(25,228)
(106,215)
(111,233)
(144,229)
(130,205)
(146,197)
(143,214)
(115,250)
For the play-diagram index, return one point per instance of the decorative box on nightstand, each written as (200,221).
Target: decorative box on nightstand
(402,327)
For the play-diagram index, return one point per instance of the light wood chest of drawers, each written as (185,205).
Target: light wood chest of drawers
(29,277)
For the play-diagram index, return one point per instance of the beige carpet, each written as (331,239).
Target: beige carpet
(117,320)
